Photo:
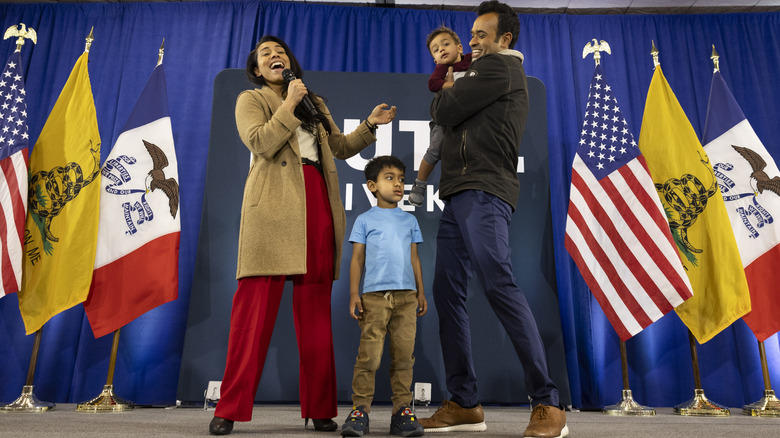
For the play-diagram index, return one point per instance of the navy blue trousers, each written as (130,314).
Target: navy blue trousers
(474,237)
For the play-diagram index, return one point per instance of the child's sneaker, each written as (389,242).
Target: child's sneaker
(356,423)
(404,423)
(417,195)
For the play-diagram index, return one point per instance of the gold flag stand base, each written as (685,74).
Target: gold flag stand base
(767,406)
(27,402)
(700,406)
(627,406)
(106,402)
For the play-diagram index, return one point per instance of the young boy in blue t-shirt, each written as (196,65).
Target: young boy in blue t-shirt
(384,242)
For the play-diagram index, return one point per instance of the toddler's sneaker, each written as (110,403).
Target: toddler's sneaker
(417,195)
(404,423)
(356,423)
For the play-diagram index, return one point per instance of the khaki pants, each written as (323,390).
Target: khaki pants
(393,313)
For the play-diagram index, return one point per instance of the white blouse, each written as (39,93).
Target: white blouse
(307,143)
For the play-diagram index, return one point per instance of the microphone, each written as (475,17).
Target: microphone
(289,76)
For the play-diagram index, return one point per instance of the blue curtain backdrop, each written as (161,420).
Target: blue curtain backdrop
(203,38)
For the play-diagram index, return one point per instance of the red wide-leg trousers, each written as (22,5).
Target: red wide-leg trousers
(256,305)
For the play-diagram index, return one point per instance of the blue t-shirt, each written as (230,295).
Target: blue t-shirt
(388,234)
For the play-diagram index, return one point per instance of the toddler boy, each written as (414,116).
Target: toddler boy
(451,64)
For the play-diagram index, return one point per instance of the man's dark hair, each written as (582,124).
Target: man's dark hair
(376,164)
(508,20)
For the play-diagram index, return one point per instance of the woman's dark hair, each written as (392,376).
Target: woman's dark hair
(308,121)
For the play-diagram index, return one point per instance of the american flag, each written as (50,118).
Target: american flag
(14,141)
(616,230)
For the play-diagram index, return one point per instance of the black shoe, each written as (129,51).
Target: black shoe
(220,426)
(326,425)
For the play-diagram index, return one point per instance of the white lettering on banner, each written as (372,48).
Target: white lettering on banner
(432,198)
(384,143)
(384,146)
(348,197)
(369,195)
(422,136)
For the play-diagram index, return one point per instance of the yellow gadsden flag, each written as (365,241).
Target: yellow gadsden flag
(64,195)
(696,212)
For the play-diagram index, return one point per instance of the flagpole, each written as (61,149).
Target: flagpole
(161,53)
(699,405)
(89,39)
(715,57)
(768,405)
(21,34)
(627,405)
(28,402)
(596,48)
(107,401)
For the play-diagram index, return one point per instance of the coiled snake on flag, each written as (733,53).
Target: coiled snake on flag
(688,197)
(51,190)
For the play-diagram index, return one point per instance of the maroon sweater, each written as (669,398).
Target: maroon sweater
(439,75)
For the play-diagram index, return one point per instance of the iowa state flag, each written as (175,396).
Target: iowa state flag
(696,213)
(14,141)
(750,183)
(63,205)
(616,230)
(137,261)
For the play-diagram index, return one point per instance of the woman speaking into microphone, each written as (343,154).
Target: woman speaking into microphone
(292,228)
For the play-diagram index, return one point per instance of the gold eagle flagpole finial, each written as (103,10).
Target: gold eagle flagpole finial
(596,47)
(654,52)
(714,59)
(90,38)
(161,52)
(21,34)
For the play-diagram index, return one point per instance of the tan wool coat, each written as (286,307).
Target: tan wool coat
(272,237)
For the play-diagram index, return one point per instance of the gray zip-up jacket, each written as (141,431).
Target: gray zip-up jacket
(484,115)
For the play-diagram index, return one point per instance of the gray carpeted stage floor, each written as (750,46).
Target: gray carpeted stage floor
(284,420)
